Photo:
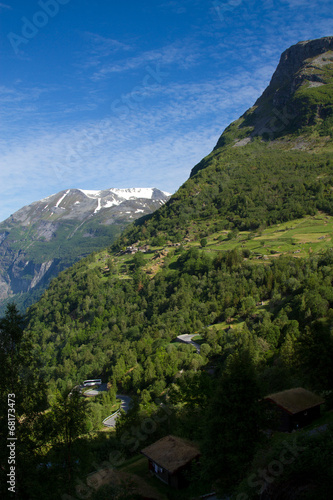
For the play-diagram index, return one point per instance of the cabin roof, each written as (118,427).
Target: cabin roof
(295,400)
(171,453)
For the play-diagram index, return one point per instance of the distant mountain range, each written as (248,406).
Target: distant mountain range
(42,239)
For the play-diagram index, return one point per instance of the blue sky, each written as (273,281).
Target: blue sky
(100,93)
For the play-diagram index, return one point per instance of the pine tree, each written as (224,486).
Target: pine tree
(22,396)
(68,418)
(232,429)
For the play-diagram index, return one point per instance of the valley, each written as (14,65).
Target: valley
(42,239)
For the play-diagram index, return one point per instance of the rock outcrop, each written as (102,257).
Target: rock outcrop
(297,96)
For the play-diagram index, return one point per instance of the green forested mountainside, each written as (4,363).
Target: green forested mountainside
(242,257)
(106,326)
(271,165)
(61,246)
(242,188)
(60,253)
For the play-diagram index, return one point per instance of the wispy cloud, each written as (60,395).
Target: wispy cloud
(35,165)
(104,45)
(303,3)
(4,6)
(19,103)
(13,94)
(98,48)
(182,55)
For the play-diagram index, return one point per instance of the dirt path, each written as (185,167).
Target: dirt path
(134,484)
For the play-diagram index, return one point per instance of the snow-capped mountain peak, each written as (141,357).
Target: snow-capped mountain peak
(82,203)
(115,196)
(125,194)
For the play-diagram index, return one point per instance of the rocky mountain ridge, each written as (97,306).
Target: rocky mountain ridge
(298,97)
(79,204)
(302,60)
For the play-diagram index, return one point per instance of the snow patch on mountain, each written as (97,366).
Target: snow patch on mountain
(62,198)
(113,203)
(92,193)
(99,206)
(132,193)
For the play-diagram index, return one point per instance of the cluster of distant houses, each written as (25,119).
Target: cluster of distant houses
(145,248)
(133,249)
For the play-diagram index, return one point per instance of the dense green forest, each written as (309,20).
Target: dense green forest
(269,323)
(124,324)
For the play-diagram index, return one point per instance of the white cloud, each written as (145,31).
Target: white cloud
(125,158)
(182,55)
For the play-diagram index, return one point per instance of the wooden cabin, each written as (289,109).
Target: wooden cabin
(169,458)
(296,407)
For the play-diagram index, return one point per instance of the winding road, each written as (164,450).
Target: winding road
(187,339)
(97,390)
(125,403)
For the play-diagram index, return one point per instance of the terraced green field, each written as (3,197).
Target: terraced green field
(299,238)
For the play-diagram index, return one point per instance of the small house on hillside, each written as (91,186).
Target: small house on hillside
(169,458)
(297,407)
(132,250)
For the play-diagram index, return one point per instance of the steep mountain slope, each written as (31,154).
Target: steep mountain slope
(269,165)
(43,238)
